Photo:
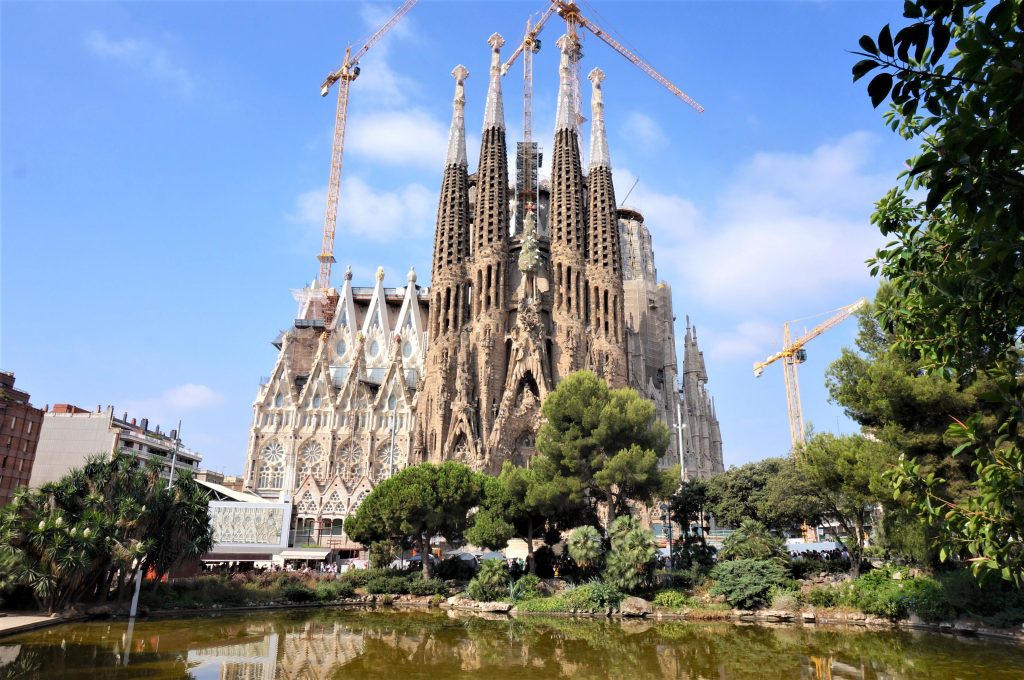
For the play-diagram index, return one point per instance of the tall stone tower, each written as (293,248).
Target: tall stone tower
(450,291)
(603,297)
(568,226)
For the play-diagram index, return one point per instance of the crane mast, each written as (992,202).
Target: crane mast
(792,354)
(346,73)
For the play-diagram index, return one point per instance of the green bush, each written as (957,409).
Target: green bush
(525,588)
(747,583)
(823,596)
(878,593)
(687,578)
(539,605)
(593,596)
(328,591)
(417,586)
(996,602)
(630,562)
(753,541)
(299,593)
(788,600)
(491,583)
(803,567)
(360,577)
(671,599)
(387,585)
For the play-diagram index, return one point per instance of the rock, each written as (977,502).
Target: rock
(454,599)
(102,611)
(500,607)
(808,616)
(635,606)
(776,615)
(897,576)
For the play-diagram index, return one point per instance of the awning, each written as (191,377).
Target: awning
(305,554)
(236,557)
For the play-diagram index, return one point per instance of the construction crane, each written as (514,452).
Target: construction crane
(344,76)
(793,354)
(570,13)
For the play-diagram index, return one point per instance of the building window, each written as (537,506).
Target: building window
(271,472)
(279,400)
(374,348)
(311,461)
(341,348)
(317,401)
(407,349)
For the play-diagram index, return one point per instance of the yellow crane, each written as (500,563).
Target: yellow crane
(793,354)
(570,12)
(346,73)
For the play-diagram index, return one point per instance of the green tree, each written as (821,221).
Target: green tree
(955,258)
(771,491)
(753,541)
(514,505)
(90,532)
(630,562)
(600,443)
(417,503)
(586,548)
(847,474)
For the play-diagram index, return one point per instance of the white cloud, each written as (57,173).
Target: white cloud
(402,138)
(644,131)
(173,403)
(369,213)
(144,57)
(786,227)
(747,339)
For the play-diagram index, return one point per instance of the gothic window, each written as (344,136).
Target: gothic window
(279,400)
(350,462)
(271,472)
(317,401)
(311,461)
(359,500)
(374,348)
(340,347)
(407,349)
(334,504)
(392,403)
(387,459)
(307,504)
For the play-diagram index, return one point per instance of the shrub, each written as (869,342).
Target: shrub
(417,586)
(383,553)
(527,587)
(690,577)
(328,591)
(491,583)
(630,563)
(390,585)
(592,596)
(455,569)
(555,603)
(996,602)
(746,583)
(671,599)
(299,593)
(586,548)
(878,593)
(823,596)
(804,567)
(788,600)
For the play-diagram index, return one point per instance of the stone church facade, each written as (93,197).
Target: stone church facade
(528,284)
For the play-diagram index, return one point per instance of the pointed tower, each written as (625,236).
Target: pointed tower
(604,253)
(490,258)
(567,220)
(449,285)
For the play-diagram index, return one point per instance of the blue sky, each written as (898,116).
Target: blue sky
(164,168)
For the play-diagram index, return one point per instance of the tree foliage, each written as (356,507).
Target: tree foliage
(417,503)
(753,541)
(586,548)
(956,257)
(601,443)
(90,532)
(630,562)
(771,491)
(847,474)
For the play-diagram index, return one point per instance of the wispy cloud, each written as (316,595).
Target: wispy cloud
(787,227)
(174,403)
(644,132)
(410,137)
(377,215)
(143,57)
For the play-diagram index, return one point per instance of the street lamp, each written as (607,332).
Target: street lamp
(667,522)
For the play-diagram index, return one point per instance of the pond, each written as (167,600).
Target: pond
(399,645)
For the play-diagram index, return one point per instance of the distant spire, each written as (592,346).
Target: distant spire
(598,139)
(565,115)
(494,111)
(457,134)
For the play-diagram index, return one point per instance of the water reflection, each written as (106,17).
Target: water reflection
(356,644)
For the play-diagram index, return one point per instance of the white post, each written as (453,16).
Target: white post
(135,597)
(174,456)
(682,449)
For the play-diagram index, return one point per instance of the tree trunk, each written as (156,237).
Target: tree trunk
(611,513)
(856,550)
(423,543)
(529,547)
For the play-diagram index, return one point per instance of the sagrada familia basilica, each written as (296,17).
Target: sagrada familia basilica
(530,282)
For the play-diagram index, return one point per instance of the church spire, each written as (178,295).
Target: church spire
(565,112)
(494,110)
(457,134)
(598,138)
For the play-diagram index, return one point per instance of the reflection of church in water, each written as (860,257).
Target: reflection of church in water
(370,380)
